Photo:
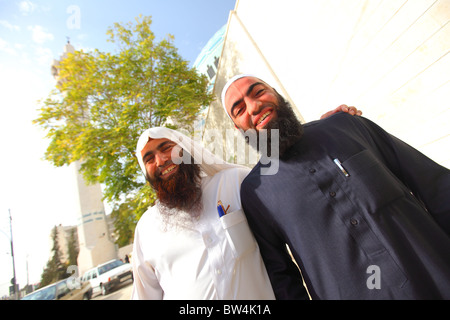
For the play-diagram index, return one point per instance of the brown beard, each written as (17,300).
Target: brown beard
(182,191)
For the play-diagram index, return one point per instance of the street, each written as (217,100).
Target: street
(120,293)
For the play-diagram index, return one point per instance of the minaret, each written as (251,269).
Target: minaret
(95,242)
(94,239)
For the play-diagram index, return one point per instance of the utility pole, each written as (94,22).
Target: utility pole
(13,280)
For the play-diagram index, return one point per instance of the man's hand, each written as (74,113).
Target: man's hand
(344,108)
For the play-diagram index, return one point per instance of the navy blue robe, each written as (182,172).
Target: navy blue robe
(377,227)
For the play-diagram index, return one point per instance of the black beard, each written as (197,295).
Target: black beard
(290,130)
(182,191)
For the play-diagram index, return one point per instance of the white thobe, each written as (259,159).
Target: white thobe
(214,258)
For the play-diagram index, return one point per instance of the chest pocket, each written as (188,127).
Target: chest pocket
(372,183)
(238,233)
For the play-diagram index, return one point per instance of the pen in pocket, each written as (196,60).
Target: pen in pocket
(220,209)
(339,164)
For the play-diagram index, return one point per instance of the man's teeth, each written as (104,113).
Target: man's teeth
(169,169)
(263,117)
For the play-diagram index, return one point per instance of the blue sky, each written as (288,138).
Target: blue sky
(32,34)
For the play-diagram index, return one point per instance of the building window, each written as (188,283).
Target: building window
(211,72)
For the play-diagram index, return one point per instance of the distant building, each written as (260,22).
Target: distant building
(64,235)
(207,63)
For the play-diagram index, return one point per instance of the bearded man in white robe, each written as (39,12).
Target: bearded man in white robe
(183,249)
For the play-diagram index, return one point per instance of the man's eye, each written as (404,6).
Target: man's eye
(260,92)
(167,148)
(238,111)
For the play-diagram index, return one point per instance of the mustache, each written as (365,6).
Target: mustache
(267,105)
(289,128)
(159,170)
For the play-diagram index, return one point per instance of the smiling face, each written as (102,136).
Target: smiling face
(251,103)
(176,186)
(157,158)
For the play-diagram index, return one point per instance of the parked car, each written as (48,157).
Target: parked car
(63,290)
(108,275)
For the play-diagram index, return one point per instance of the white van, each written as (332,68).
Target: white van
(108,275)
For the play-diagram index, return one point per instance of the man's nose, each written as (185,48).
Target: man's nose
(253,106)
(161,159)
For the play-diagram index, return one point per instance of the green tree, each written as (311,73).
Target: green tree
(103,102)
(55,269)
(72,249)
